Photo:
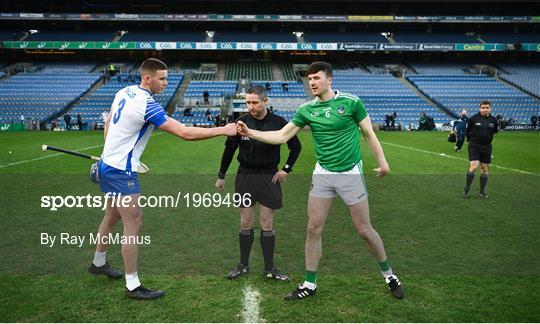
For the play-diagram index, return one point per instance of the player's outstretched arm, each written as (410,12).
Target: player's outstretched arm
(196,133)
(375,146)
(270,137)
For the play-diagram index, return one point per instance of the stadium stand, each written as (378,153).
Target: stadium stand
(2,74)
(198,116)
(57,67)
(434,37)
(288,72)
(522,37)
(92,107)
(525,76)
(280,89)
(250,70)
(466,92)
(383,94)
(217,90)
(441,68)
(38,95)
(250,36)
(203,76)
(162,36)
(59,35)
(351,36)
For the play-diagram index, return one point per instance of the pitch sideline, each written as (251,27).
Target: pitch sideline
(453,157)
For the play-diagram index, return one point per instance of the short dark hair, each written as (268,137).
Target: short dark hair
(152,65)
(320,66)
(259,91)
(485,102)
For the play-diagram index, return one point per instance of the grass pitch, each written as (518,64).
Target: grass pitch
(458,259)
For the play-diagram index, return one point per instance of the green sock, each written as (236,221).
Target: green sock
(384,265)
(311,276)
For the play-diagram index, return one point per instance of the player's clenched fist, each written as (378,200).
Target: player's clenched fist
(230,129)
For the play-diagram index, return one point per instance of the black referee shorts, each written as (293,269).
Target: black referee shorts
(261,189)
(480,152)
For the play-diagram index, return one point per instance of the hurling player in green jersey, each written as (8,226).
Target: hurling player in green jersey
(334,118)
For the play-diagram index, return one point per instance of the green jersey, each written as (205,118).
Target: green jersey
(334,127)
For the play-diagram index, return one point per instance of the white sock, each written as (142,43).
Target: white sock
(309,285)
(99,258)
(132,281)
(387,273)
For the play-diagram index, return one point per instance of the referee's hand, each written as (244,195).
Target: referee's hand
(280,177)
(220,184)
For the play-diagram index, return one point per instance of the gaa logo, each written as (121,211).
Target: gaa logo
(145,45)
(226,46)
(266,46)
(306,46)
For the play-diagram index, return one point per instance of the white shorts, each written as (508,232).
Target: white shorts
(349,185)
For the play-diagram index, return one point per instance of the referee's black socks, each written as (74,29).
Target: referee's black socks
(483,182)
(268,244)
(246,241)
(470,178)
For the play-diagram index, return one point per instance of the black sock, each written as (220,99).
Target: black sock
(268,243)
(483,182)
(470,178)
(246,241)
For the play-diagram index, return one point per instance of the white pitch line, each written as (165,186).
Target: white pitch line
(251,301)
(47,156)
(453,157)
(56,154)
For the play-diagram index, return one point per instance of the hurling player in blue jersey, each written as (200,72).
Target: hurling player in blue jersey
(134,114)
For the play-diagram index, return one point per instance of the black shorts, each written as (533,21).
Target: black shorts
(480,152)
(260,188)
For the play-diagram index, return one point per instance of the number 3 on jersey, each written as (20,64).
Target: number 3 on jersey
(121,105)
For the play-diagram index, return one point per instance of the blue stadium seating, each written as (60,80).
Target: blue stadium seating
(276,90)
(214,88)
(526,76)
(38,96)
(67,67)
(456,93)
(2,74)
(441,68)
(383,94)
(91,108)
(199,117)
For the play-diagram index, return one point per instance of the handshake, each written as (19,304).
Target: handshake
(238,128)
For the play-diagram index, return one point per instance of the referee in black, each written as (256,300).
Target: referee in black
(479,133)
(259,176)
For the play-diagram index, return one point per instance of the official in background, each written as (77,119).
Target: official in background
(258,175)
(460,125)
(479,133)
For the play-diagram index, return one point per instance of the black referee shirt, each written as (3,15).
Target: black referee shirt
(480,129)
(255,156)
